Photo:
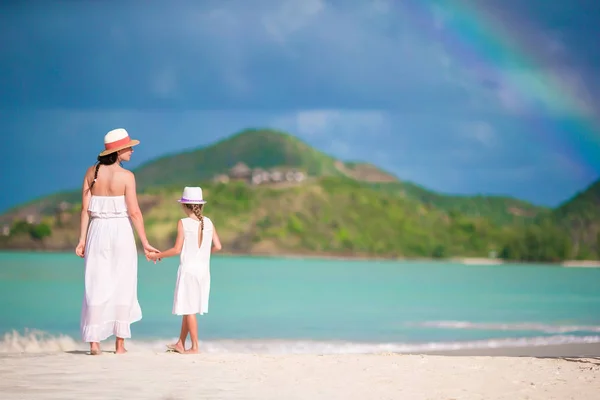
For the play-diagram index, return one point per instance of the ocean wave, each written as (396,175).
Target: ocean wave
(36,341)
(525,326)
(33,341)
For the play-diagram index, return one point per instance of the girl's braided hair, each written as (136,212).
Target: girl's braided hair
(197,210)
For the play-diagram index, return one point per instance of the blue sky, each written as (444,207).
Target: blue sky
(361,80)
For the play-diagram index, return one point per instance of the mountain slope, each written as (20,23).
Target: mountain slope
(499,209)
(267,148)
(256,148)
(581,217)
(332,215)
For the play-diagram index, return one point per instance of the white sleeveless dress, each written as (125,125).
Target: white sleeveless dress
(110,303)
(193,277)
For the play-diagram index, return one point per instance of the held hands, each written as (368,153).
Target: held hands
(152,257)
(151,253)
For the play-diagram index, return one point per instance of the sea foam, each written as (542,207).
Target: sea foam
(35,341)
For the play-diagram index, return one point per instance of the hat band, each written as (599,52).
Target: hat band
(184,199)
(117,143)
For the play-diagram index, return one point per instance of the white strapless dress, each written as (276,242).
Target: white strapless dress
(110,303)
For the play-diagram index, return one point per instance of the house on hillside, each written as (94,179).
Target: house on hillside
(32,218)
(64,206)
(240,171)
(6,230)
(221,178)
(295,176)
(260,175)
(62,213)
(277,175)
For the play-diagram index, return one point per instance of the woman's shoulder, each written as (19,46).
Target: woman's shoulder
(90,170)
(125,172)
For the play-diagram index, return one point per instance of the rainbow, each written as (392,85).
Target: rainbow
(483,45)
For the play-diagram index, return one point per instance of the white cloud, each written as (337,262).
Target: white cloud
(164,83)
(343,47)
(481,132)
(290,17)
(315,122)
(336,123)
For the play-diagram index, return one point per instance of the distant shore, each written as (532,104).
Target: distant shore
(362,257)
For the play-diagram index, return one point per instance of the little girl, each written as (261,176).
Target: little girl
(196,239)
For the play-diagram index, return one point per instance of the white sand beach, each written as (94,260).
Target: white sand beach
(145,374)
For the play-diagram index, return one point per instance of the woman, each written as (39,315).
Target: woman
(109,208)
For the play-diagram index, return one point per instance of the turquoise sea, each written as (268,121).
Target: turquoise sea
(325,306)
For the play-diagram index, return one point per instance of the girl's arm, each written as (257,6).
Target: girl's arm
(216,242)
(175,250)
(85,216)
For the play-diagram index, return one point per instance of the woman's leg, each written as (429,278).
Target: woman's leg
(120,346)
(95,348)
(192,326)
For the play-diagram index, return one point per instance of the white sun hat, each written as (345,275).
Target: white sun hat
(192,195)
(117,139)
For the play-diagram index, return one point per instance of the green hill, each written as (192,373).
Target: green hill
(268,149)
(500,210)
(342,208)
(333,215)
(580,216)
(255,148)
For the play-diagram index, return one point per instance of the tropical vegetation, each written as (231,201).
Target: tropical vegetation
(342,208)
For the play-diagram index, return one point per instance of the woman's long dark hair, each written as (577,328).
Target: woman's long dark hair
(108,159)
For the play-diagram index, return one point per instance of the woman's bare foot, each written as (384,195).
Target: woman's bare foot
(120,346)
(95,349)
(177,347)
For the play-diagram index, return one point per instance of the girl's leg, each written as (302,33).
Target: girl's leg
(192,326)
(184,332)
(180,345)
(120,346)
(95,348)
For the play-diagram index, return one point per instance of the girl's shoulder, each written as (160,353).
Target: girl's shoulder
(186,220)
(207,221)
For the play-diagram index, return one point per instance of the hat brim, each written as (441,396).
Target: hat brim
(191,202)
(132,143)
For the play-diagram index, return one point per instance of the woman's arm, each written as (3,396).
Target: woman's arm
(85,215)
(175,250)
(216,242)
(133,209)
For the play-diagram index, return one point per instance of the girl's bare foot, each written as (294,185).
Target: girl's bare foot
(177,347)
(192,351)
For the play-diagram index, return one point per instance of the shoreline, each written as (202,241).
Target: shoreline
(474,261)
(33,341)
(573,350)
